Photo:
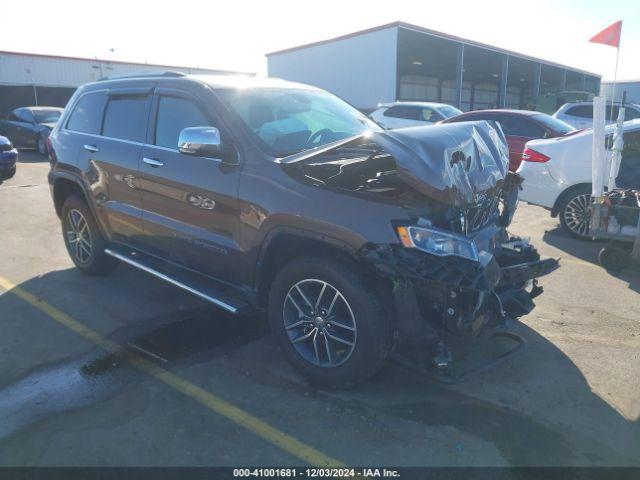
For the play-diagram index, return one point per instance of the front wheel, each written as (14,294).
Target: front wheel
(574,213)
(328,325)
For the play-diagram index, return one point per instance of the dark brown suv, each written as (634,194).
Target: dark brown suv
(264,194)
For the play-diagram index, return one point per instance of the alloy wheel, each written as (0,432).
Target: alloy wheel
(79,236)
(576,215)
(320,323)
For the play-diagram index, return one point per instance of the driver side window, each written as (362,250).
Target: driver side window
(174,114)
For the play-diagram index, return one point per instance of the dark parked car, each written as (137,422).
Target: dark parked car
(29,127)
(519,126)
(8,158)
(259,194)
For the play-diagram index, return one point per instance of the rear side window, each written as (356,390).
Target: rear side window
(520,127)
(126,118)
(87,114)
(174,114)
(403,111)
(583,111)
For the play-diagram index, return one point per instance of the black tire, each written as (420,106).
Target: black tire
(614,258)
(90,260)
(8,174)
(371,343)
(41,146)
(574,212)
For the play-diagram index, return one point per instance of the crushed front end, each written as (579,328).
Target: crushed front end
(453,267)
(456,270)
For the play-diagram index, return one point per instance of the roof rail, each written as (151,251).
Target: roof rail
(167,73)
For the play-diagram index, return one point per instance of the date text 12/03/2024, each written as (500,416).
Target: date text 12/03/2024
(316,473)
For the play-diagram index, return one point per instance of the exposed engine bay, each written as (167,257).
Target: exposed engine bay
(456,270)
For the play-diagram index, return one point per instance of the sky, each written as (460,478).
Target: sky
(235,35)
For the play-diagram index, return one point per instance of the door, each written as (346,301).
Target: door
(190,207)
(111,128)
(21,127)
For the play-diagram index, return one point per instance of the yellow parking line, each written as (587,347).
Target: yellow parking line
(284,441)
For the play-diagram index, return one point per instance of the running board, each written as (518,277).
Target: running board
(193,283)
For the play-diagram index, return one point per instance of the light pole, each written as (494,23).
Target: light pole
(33,83)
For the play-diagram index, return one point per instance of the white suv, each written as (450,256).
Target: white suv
(580,114)
(412,114)
(557,174)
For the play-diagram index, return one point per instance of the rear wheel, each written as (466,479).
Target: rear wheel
(574,212)
(328,325)
(83,239)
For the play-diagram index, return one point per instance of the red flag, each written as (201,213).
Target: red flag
(610,35)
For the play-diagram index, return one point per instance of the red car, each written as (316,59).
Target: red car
(519,126)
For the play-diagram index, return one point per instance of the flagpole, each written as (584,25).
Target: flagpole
(615,74)
(615,81)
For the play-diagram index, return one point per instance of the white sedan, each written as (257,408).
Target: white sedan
(557,174)
(412,114)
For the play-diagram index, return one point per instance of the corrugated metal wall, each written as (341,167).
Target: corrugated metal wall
(24,69)
(360,69)
(632,89)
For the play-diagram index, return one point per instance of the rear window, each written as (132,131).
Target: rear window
(520,127)
(403,111)
(583,111)
(554,124)
(126,118)
(87,114)
(449,111)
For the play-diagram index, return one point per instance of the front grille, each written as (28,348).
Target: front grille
(479,216)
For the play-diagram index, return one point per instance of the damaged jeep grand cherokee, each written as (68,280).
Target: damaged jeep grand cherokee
(260,194)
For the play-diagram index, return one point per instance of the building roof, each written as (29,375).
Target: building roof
(120,62)
(435,33)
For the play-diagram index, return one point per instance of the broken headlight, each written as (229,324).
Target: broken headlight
(438,242)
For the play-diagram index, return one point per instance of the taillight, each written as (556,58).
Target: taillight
(530,155)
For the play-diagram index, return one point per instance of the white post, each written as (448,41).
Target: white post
(598,153)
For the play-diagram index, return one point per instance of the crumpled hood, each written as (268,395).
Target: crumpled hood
(454,163)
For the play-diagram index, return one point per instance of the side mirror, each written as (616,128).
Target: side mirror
(200,142)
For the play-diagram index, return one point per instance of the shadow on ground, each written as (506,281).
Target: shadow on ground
(588,250)
(200,335)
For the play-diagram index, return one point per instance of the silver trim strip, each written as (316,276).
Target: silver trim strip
(170,280)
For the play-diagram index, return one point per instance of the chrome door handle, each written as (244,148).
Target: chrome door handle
(152,161)
(91,148)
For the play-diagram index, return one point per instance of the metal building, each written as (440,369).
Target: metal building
(399,61)
(632,87)
(31,79)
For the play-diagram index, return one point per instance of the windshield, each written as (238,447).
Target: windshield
(448,111)
(554,124)
(287,121)
(46,116)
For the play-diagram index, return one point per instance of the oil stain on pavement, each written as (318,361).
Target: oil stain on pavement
(185,337)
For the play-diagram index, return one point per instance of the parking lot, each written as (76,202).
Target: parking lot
(126,370)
